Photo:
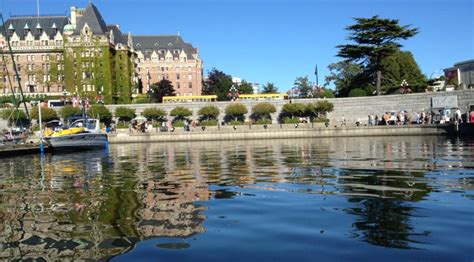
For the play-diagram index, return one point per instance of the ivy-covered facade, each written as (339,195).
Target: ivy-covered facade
(78,55)
(99,60)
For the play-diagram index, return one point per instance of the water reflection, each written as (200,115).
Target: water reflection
(90,206)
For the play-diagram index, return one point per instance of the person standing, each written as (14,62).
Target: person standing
(457,116)
(471,117)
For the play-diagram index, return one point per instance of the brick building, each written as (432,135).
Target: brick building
(168,57)
(83,55)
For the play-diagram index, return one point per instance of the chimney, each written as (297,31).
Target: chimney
(73,16)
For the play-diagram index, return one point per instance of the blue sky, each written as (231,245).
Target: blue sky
(278,40)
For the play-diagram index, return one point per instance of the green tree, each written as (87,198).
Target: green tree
(293,110)
(68,111)
(181,113)
(319,109)
(161,89)
(47,114)
(124,113)
(269,88)
(156,114)
(327,93)
(402,66)
(304,86)
(375,39)
(217,83)
(235,112)
(357,92)
(208,113)
(245,88)
(100,112)
(345,75)
(262,111)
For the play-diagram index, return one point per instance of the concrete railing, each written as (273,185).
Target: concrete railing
(271,132)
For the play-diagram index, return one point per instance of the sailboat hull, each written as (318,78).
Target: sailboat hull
(81,141)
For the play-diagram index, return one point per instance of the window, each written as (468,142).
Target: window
(177,69)
(178,85)
(177,76)
(190,77)
(190,85)
(162,69)
(189,69)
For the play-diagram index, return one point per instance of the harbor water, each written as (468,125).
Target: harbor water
(331,199)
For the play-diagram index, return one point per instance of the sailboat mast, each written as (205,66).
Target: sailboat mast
(14,66)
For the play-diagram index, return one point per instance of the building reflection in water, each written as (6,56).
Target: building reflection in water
(88,206)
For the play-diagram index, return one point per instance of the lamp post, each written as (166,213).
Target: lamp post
(403,86)
(233,92)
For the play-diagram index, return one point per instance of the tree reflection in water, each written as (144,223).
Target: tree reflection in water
(382,205)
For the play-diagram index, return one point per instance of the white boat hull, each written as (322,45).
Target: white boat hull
(78,141)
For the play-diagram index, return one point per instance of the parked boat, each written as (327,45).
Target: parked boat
(82,134)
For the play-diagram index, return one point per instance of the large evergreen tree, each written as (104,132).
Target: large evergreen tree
(161,89)
(402,66)
(376,38)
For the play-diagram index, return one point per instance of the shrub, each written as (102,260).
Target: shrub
(357,92)
(262,110)
(178,123)
(211,122)
(101,112)
(235,112)
(68,111)
(47,114)
(121,125)
(181,113)
(289,120)
(294,110)
(320,120)
(236,123)
(328,93)
(263,121)
(15,116)
(141,99)
(319,109)
(154,113)
(208,113)
(124,113)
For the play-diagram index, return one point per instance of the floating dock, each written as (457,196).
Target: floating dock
(20,150)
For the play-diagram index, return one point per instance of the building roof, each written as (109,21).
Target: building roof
(94,20)
(149,43)
(118,36)
(465,62)
(48,24)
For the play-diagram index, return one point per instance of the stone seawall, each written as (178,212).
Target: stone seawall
(271,132)
(353,108)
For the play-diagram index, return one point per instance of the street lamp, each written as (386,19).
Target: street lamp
(233,92)
(403,86)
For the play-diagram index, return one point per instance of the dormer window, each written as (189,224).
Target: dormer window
(55,28)
(39,29)
(11,28)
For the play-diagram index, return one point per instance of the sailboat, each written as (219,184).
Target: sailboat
(83,134)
